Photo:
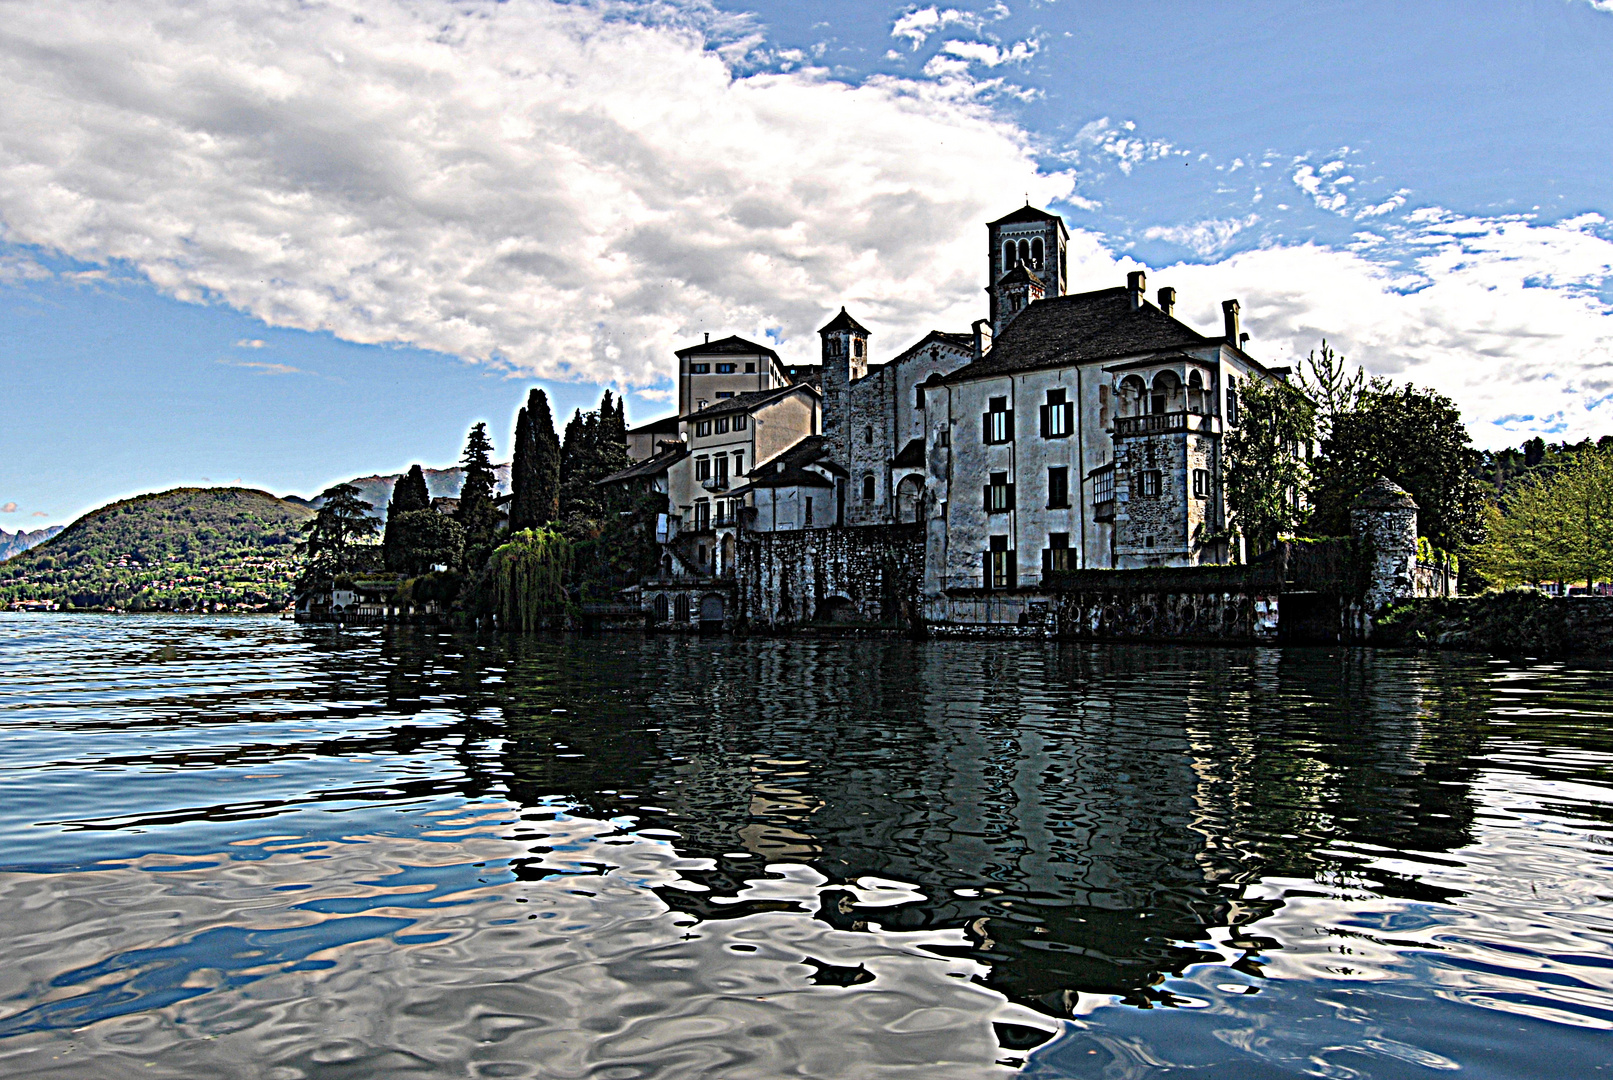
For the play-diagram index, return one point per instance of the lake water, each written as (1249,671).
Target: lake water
(236,847)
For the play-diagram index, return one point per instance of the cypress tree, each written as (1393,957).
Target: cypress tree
(535,470)
(409,495)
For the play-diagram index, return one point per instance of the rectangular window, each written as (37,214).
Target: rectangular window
(1103,484)
(741,422)
(702,468)
(739,463)
(809,510)
(1201,483)
(944,437)
(725,369)
(725,393)
(1058,415)
(999,564)
(999,494)
(918,398)
(703,427)
(1232,401)
(702,515)
(998,422)
(700,369)
(719,465)
(722,425)
(1058,487)
(750,369)
(1057,555)
(1148,483)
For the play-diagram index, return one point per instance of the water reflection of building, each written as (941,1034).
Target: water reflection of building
(1086,814)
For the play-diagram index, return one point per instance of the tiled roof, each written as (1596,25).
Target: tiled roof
(650,466)
(746,401)
(965,342)
(810,450)
(731,344)
(1073,329)
(1019,274)
(843,321)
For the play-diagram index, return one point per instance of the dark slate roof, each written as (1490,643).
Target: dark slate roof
(809,450)
(911,455)
(1029,213)
(788,478)
(650,466)
(746,401)
(843,321)
(731,344)
(667,425)
(1073,329)
(1384,494)
(1020,274)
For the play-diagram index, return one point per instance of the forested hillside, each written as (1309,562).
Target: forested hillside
(185,549)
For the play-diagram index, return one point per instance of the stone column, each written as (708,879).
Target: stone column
(1383,520)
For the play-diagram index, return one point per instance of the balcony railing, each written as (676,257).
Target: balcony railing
(1162,423)
(716,483)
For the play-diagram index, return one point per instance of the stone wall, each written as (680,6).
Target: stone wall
(1210,603)
(1518,622)
(866,575)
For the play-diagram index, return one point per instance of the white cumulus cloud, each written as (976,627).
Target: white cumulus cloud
(546,186)
(917,25)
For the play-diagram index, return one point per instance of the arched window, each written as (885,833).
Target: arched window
(680,608)
(1038,253)
(1009,257)
(1024,251)
(868,488)
(660,607)
(868,436)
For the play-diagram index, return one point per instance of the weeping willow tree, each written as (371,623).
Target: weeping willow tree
(529,578)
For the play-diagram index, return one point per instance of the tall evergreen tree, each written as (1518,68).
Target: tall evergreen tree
(409,496)
(535,470)
(477,512)
(595,447)
(342,519)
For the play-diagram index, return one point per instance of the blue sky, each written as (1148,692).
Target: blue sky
(284,246)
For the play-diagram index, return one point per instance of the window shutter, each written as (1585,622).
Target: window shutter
(985,568)
(985,427)
(1046,410)
(1010,505)
(987,502)
(1069,417)
(1008,426)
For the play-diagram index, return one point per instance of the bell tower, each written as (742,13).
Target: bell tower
(845,360)
(1034,239)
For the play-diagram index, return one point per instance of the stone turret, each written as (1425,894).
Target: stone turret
(1383,518)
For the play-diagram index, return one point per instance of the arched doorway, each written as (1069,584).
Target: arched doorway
(910,498)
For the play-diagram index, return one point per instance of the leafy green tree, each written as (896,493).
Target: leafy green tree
(423,539)
(1554,526)
(535,470)
(1265,468)
(1417,439)
(527,577)
(477,513)
(336,528)
(1328,381)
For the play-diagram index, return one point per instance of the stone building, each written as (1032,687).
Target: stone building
(1062,432)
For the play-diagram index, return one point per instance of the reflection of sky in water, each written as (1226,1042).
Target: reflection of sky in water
(234,841)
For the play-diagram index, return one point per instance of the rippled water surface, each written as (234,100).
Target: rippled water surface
(242,848)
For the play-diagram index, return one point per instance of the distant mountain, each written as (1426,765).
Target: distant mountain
(18,542)
(183,549)
(441,483)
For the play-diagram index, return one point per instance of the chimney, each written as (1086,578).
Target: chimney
(1229,313)
(1136,284)
(708,337)
(1167,300)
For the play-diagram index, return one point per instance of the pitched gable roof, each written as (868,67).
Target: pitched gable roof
(650,466)
(1029,213)
(732,345)
(749,400)
(1085,326)
(844,321)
